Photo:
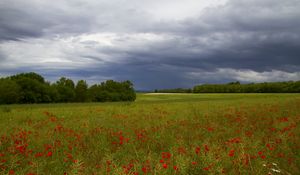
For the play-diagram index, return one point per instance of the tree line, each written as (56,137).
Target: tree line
(237,87)
(176,90)
(33,88)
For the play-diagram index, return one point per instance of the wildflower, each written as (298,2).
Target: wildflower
(145,169)
(21,148)
(235,140)
(47,147)
(231,153)
(166,155)
(277,171)
(270,147)
(283,119)
(206,168)
(11,172)
(58,128)
(197,150)
(280,155)
(210,129)
(206,148)
(165,166)
(248,133)
(121,138)
(175,168)
(69,156)
(181,150)
(39,154)
(49,154)
(194,163)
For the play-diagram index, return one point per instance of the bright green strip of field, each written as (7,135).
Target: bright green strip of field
(233,133)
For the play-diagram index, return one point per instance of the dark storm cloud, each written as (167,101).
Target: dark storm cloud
(23,19)
(245,40)
(257,35)
(15,24)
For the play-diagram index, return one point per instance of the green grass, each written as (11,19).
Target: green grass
(157,134)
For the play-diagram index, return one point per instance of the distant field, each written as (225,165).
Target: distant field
(158,134)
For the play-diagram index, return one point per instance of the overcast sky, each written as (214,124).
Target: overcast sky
(153,43)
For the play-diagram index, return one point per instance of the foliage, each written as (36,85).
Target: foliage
(9,91)
(81,90)
(236,87)
(66,90)
(177,90)
(112,91)
(32,88)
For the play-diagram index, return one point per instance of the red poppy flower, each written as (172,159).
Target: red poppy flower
(38,155)
(231,153)
(206,168)
(206,148)
(197,150)
(49,154)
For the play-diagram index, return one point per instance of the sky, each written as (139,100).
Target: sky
(155,44)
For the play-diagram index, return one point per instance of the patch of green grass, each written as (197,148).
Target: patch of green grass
(157,134)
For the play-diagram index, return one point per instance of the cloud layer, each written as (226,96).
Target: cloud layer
(165,44)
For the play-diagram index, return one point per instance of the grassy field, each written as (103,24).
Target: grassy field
(158,134)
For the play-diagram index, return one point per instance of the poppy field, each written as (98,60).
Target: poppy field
(161,134)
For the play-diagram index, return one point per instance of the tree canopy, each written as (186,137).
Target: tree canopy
(237,87)
(32,88)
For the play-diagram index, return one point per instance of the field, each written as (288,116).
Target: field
(158,134)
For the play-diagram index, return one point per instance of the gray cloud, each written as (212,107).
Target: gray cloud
(245,40)
(23,19)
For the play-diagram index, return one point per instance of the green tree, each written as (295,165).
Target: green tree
(66,90)
(9,91)
(112,91)
(33,88)
(81,91)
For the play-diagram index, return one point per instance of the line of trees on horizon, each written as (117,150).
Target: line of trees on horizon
(237,87)
(32,88)
(176,90)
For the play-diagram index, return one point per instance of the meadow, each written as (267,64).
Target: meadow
(157,134)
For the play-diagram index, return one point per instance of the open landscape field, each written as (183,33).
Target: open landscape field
(157,134)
